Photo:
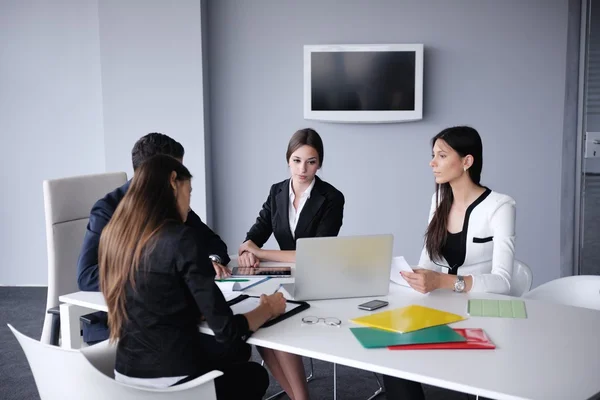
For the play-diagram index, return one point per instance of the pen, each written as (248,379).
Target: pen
(232,280)
(277,290)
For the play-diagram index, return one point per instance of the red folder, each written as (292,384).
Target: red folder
(476,339)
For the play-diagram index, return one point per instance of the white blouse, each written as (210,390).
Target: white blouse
(294,214)
(490,244)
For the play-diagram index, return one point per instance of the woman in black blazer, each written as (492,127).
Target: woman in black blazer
(159,282)
(300,207)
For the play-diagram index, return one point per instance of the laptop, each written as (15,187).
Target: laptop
(341,267)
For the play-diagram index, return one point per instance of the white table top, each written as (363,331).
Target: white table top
(553,354)
(93,300)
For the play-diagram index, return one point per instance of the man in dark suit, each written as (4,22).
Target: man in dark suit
(87,265)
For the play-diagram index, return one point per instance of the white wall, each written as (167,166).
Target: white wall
(50,119)
(151,56)
(499,66)
(80,82)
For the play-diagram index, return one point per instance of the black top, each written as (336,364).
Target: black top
(455,246)
(174,287)
(453,251)
(321,215)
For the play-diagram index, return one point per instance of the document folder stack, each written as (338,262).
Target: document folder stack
(416,327)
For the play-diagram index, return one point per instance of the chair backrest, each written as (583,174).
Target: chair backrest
(67,205)
(578,291)
(522,279)
(62,374)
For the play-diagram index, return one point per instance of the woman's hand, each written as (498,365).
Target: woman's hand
(248,259)
(275,302)
(423,280)
(250,247)
(221,271)
(271,306)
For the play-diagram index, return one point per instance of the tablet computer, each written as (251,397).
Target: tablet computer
(273,272)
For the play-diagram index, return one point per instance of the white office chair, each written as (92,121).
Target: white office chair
(579,291)
(62,374)
(522,278)
(67,205)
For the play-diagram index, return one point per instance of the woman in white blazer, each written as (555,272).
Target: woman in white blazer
(470,239)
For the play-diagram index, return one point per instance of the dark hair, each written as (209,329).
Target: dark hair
(153,144)
(465,141)
(148,204)
(303,137)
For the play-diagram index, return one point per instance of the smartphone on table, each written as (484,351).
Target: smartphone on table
(373,305)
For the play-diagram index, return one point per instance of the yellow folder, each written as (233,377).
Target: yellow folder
(408,319)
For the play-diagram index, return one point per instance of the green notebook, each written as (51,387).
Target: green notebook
(372,338)
(497,308)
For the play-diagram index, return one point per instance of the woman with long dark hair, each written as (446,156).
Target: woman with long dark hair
(158,282)
(470,239)
(471,232)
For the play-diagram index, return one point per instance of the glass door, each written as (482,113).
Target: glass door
(589,255)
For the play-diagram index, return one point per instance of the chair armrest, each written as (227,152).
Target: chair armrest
(207,377)
(94,318)
(54,310)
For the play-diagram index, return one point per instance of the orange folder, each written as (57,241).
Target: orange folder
(476,339)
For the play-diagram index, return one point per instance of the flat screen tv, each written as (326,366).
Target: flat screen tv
(363,83)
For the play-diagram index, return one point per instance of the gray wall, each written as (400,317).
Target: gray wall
(50,119)
(151,56)
(80,82)
(496,65)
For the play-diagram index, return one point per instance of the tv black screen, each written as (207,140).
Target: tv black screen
(363,81)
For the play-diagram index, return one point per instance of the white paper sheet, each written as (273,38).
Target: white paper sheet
(231,295)
(239,286)
(399,264)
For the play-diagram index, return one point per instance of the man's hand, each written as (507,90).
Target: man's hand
(248,259)
(221,271)
(423,280)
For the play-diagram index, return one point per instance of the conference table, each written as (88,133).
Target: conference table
(552,354)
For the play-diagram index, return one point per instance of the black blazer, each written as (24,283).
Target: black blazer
(102,212)
(321,216)
(87,264)
(174,287)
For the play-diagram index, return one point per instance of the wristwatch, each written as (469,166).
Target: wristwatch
(215,258)
(459,285)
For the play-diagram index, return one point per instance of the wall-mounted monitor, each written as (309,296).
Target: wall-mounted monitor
(363,83)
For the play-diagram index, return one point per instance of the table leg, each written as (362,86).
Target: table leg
(334,382)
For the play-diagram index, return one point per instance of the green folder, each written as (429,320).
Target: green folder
(497,308)
(372,338)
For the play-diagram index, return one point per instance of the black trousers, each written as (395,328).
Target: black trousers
(241,379)
(402,389)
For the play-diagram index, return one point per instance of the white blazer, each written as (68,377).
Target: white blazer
(490,237)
